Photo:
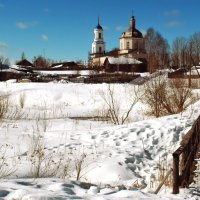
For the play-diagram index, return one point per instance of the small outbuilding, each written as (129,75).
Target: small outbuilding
(25,64)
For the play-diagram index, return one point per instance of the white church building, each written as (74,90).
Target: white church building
(131,45)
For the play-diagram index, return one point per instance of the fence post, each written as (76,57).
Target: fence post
(175,173)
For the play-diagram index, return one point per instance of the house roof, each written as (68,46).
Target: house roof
(63,64)
(24,63)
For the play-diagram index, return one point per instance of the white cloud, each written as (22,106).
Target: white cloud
(45,37)
(120,28)
(174,24)
(3,45)
(105,28)
(46,10)
(2,53)
(25,25)
(172,13)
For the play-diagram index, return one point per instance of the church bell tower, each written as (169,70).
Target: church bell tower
(98,45)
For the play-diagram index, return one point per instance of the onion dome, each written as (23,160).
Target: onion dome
(98,25)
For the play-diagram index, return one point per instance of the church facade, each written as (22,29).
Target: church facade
(131,45)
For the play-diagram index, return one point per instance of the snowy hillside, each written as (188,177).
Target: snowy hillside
(114,159)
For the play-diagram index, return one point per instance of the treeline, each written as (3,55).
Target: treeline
(184,52)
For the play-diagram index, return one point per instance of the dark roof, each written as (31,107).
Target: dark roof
(64,64)
(113,53)
(4,66)
(99,26)
(136,33)
(24,63)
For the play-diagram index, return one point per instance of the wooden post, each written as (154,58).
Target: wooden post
(161,184)
(175,173)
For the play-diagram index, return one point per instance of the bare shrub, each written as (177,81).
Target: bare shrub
(7,163)
(154,94)
(167,97)
(178,97)
(14,112)
(4,106)
(113,105)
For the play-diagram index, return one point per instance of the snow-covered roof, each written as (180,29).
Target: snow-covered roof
(17,67)
(123,60)
(195,67)
(58,66)
(194,72)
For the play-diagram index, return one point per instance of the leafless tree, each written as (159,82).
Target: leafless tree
(157,49)
(4,62)
(194,49)
(179,52)
(41,62)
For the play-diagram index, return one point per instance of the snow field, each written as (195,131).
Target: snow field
(115,155)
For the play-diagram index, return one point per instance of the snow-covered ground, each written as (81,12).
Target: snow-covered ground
(117,162)
(66,72)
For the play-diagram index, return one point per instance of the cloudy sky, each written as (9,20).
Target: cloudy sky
(63,29)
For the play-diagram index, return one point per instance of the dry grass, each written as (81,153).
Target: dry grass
(7,164)
(4,107)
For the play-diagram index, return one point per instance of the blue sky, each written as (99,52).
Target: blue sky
(63,29)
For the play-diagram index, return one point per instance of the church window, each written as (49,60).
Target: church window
(100,49)
(99,35)
(128,45)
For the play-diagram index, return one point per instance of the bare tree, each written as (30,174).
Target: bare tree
(23,56)
(195,40)
(41,62)
(157,49)
(4,62)
(179,52)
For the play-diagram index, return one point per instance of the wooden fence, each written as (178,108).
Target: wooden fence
(183,158)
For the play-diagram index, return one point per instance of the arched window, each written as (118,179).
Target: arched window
(100,50)
(99,35)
